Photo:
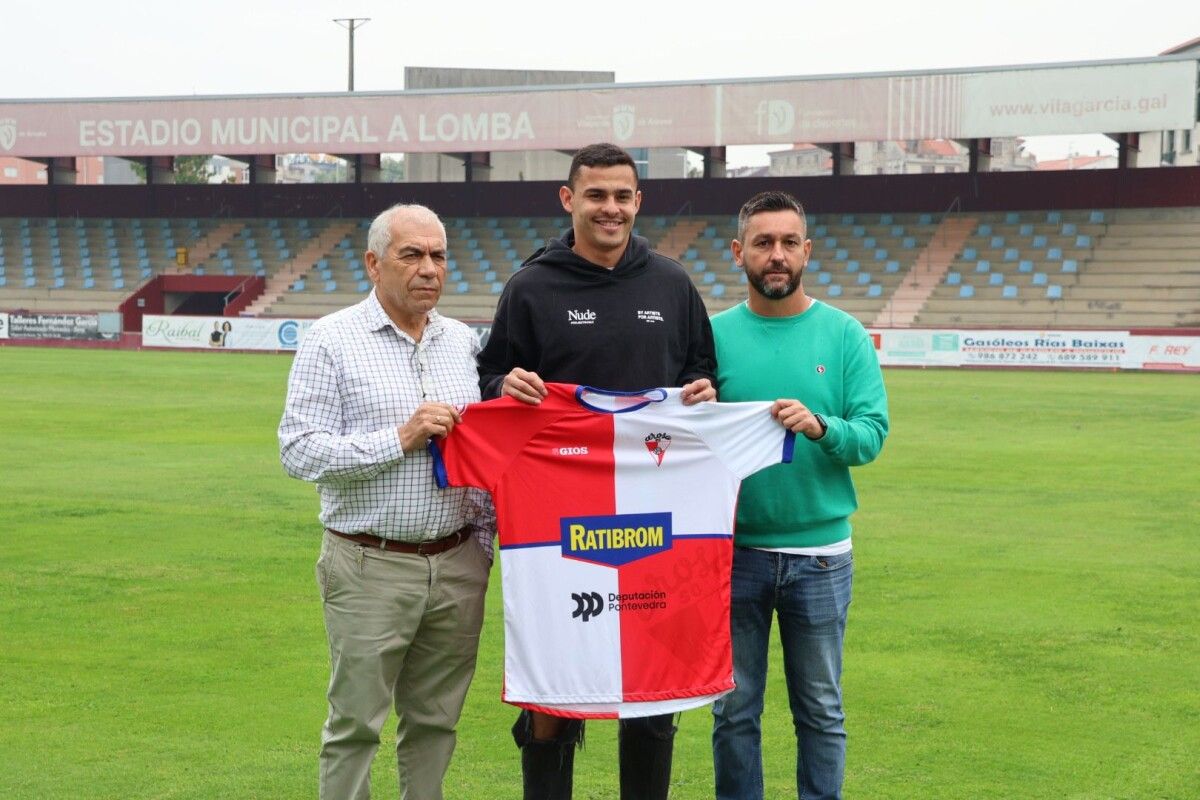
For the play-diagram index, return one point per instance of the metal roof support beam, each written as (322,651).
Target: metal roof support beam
(843,156)
(478,166)
(160,170)
(262,168)
(1128,145)
(979,158)
(714,160)
(60,171)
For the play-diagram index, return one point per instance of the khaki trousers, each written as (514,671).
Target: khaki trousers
(403,629)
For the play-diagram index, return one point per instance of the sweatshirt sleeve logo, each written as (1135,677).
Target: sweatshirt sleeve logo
(615,539)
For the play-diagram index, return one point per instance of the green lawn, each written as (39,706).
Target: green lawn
(1025,621)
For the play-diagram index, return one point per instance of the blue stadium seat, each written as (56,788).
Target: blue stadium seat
(1054,254)
(1096,217)
(864,278)
(874,290)
(497,287)
(1054,217)
(1025,265)
(841,254)
(718,290)
(847,219)
(892,266)
(997,241)
(1008,292)
(299,285)
(984,230)
(1070,265)
(885,219)
(60,283)
(925,219)
(824,278)
(852,266)
(489,276)
(880,254)
(330,286)
(1039,240)
(897,230)
(953,278)
(970,254)
(814,265)
(710,277)
(819,231)
(859,231)
(1054,292)
(1083,240)
(1069,229)
(462,287)
(1039,279)
(1012,218)
(1011,254)
(89,283)
(700,266)
(835,291)
(966,290)
(983,265)
(831,242)
(908,242)
(996,279)
(118,283)
(364,286)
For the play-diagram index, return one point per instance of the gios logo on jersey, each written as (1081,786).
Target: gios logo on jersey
(615,539)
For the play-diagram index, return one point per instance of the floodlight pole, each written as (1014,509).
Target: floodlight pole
(350,23)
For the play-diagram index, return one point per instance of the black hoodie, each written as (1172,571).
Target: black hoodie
(639,325)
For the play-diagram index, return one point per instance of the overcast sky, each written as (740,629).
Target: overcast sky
(70,48)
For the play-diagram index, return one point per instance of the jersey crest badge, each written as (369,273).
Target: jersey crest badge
(657,444)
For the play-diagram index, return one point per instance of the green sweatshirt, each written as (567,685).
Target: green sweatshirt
(826,360)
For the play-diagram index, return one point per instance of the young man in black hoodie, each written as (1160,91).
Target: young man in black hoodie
(598,307)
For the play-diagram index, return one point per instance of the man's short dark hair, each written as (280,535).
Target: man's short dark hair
(768,201)
(600,155)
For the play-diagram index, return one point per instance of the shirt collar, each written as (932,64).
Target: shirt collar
(377,319)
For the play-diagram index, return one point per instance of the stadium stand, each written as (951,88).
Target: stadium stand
(1085,268)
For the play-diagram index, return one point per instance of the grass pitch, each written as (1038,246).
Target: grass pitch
(1024,621)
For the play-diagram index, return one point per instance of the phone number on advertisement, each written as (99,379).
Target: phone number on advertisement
(1044,358)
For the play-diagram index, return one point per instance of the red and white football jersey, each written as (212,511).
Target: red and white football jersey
(615,514)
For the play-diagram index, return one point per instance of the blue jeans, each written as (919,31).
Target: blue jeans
(811,595)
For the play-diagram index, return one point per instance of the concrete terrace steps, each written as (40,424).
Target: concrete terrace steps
(680,237)
(299,266)
(202,250)
(931,265)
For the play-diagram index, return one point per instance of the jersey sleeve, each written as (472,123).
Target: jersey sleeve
(744,435)
(477,452)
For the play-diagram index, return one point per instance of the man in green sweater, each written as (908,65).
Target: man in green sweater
(792,541)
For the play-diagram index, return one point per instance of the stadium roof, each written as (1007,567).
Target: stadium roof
(1108,96)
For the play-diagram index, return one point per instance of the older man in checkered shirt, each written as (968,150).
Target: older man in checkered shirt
(403,565)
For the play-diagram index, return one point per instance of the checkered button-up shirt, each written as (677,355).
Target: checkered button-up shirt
(355,379)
